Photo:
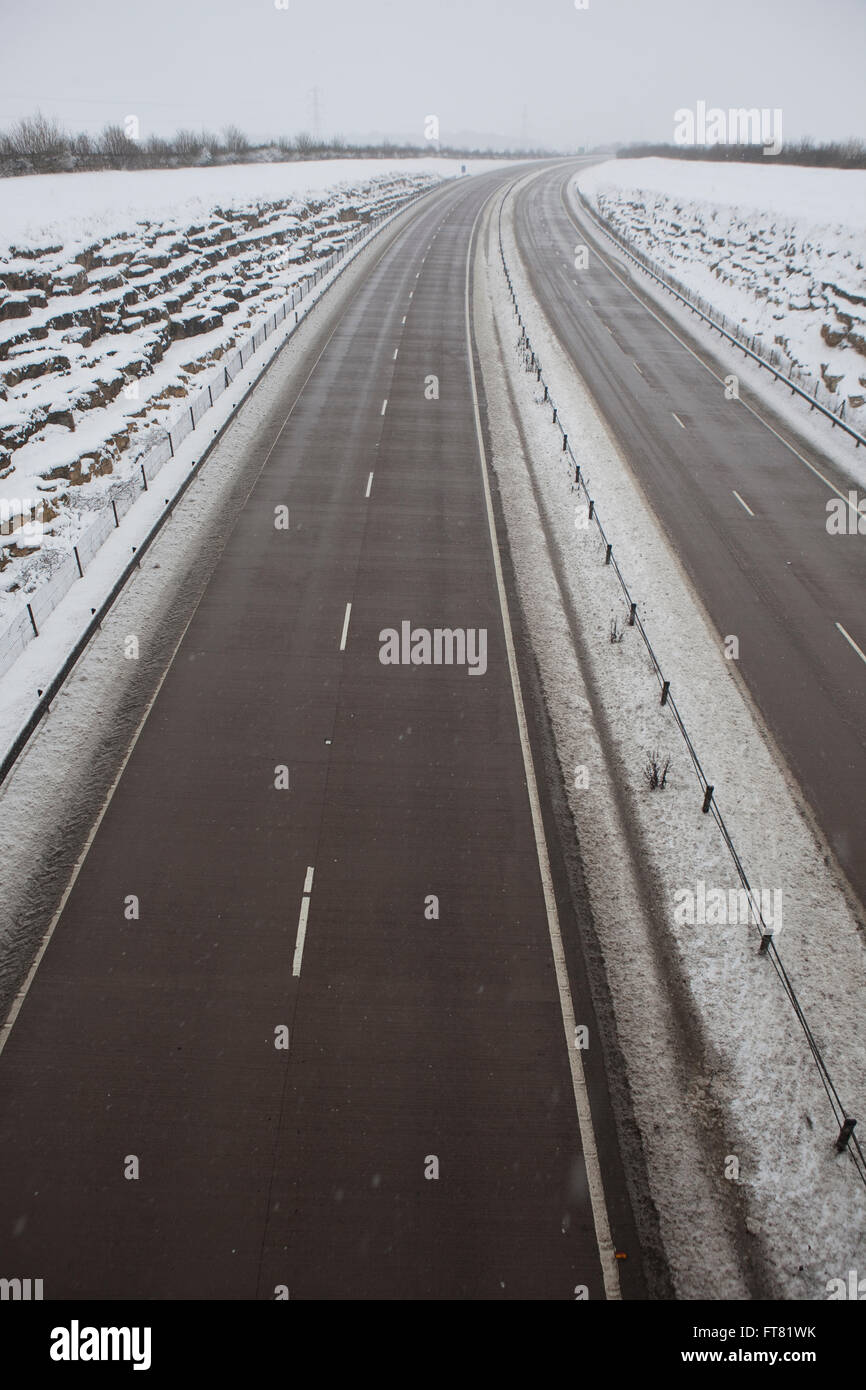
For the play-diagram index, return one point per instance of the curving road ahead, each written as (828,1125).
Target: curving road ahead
(744,509)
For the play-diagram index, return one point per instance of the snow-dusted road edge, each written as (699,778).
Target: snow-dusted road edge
(735,1127)
(31,683)
(773,392)
(714,319)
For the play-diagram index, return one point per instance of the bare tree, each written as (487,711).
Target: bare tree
(186,145)
(38,137)
(234,140)
(116,145)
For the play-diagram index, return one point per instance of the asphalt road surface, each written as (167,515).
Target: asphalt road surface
(745,515)
(157,1139)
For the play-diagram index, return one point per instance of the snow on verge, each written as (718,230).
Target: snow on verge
(747,1089)
(42,657)
(780,251)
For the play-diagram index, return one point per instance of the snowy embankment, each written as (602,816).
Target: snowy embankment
(779,250)
(749,1196)
(120,292)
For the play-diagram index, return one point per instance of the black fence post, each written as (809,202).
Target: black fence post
(78,561)
(708,799)
(666,688)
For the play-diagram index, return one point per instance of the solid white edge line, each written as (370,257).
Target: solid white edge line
(384,405)
(369,485)
(607,1255)
(302,935)
(308,881)
(79,863)
(345,627)
(742,503)
(850,639)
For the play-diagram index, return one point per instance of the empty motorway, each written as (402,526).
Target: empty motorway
(304,1026)
(742,501)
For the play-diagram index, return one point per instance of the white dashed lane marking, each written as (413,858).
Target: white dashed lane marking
(302,921)
(346,623)
(850,640)
(742,503)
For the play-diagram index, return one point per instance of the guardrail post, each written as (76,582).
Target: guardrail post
(144,475)
(591,509)
(609,553)
(845,1134)
(191,418)
(708,799)
(78,561)
(33,621)
(564,442)
(666,690)
(632,614)
(114,509)
(766,938)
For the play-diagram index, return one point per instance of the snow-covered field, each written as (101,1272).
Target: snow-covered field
(76,208)
(120,292)
(779,250)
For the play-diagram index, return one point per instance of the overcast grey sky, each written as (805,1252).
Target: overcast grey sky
(616,71)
